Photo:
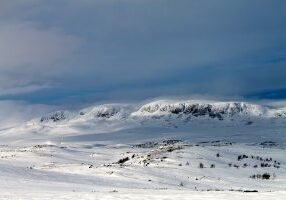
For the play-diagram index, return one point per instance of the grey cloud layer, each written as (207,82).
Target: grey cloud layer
(179,47)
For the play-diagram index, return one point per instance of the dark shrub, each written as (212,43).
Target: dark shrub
(123,160)
(265,176)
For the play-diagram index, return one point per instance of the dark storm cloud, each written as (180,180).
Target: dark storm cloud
(105,49)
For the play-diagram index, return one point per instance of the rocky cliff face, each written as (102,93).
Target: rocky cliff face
(56,116)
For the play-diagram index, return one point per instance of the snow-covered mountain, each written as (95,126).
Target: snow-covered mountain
(219,110)
(163,115)
(107,111)
(164,109)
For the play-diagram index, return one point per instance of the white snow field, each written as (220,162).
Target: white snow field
(161,150)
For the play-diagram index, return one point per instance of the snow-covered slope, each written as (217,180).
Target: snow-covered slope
(107,111)
(281,112)
(162,147)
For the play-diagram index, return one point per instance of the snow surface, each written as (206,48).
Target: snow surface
(152,151)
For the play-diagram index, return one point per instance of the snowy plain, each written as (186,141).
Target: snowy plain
(161,150)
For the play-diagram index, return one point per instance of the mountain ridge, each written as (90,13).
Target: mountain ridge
(167,109)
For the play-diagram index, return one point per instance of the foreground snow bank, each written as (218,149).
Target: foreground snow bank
(145,194)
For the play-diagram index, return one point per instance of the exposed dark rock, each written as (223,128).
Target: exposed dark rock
(55,117)
(123,160)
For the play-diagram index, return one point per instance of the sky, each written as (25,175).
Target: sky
(59,52)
